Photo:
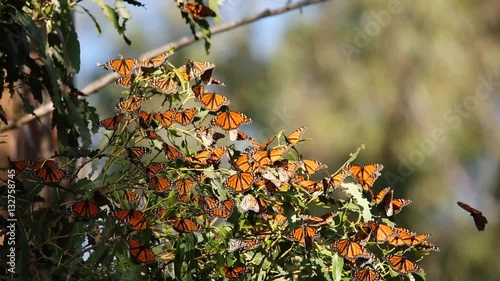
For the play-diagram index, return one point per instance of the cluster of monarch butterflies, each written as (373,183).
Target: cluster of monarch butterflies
(192,177)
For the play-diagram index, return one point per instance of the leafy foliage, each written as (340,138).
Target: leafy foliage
(180,192)
(200,198)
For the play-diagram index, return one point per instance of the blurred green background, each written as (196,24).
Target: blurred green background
(417,82)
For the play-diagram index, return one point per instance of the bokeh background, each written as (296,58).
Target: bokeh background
(417,82)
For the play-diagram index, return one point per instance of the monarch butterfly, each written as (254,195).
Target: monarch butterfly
(136,219)
(240,182)
(208,135)
(183,225)
(286,169)
(252,203)
(321,220)
(125,81)
(122,66)
(165,85)
(155,61)
(84,209)
(230,120)
(427,246)
(381,232)
(131,105)
(242,164)
(234,272)
(295,136)
(171,153)
(312,166)
(198,11)
(212,101)
(145,119)
(242,244)
(268,157)
(20,166)
(216,154)
(394,206)
(159,212)
(184,186)
(381,195)
(152,135)
(137,152)
(224,210)
(479,220)
(365,274)
(365,175)
(304,235)
(48,171)
(207,203)
(262,146)
(165,118)
(200,158)
(349,249)
(310,185)
(140,253)
(337,179)
(130,196)
(401,264)
(407,237)
(277,219)
(238,136)
(111,123)
(155,169)
(197,69)
(185,117)
(160,184)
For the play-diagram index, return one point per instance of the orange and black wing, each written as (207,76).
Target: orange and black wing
(240,182)
(213,101)
(156,61)
(137,152)
(184,186)
(198,11)
(145,119)
(111,123)
(171,152)
(230,120)
(349,249)
(160,184)
(165,118)
(365,175)
(296,136)
(49,172)
(401,264)
(183,225)
(234,272)
(185,117)
(140,253)
(365,274)
(85,209)
(130,105)
(122,66)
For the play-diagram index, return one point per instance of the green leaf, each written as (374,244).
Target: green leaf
(355,191)
(71,45)
(337,265)
(97,26)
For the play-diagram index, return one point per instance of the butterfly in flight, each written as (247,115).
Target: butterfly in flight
(478,217)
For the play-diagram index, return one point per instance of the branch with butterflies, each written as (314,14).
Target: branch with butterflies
(178,190)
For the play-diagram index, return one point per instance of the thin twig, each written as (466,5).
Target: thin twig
(183,42)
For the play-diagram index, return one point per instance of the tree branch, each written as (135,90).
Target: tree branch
(183,42)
